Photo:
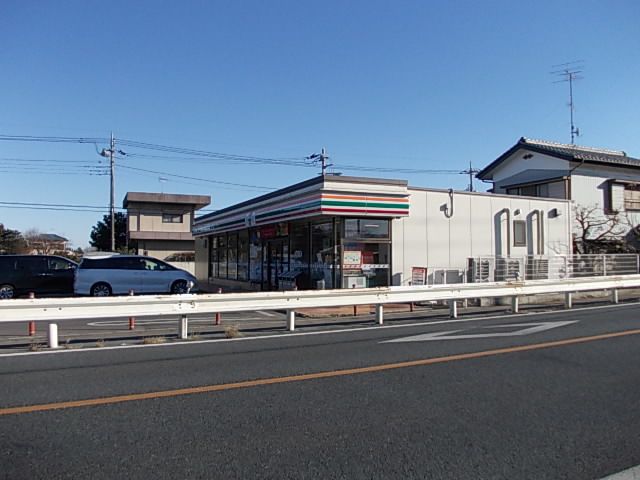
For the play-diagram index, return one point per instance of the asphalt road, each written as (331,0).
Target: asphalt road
(549,395)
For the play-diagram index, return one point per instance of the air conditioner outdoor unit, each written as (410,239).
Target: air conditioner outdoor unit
(481,270)
(509,269)
(354,282)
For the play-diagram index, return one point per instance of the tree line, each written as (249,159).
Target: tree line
(31,241)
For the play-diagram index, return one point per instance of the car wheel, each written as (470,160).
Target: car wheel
(179,286)
(7,291)
(101,290)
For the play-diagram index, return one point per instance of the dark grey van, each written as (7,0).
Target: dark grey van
(41,274)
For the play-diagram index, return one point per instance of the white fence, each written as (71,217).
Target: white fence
(41,309)
(538,267)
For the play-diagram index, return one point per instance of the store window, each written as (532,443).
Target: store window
(222,256)
(213,257)
(232,256)
(299,254)
(243,255)
(255,257)
(366,228)
(365,265)
(322,244)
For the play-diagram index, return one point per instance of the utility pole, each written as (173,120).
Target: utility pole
(471,172)
(570,72)
(112,207)
(322,158)
(111,152)
(323,161)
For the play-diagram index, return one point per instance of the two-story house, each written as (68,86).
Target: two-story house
(159,224)
(604,185)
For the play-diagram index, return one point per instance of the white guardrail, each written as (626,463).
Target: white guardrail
(60,309)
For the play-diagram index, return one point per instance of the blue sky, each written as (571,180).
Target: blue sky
(397,84)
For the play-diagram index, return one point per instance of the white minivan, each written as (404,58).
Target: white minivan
(114,274)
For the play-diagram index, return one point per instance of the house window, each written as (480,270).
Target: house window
(632,197)
(171,218)
(519,233)
(539,190)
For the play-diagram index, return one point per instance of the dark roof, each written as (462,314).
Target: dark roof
(563,151)
(51,237)
(198,201)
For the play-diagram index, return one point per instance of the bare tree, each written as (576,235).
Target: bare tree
(600,232)
(38,242)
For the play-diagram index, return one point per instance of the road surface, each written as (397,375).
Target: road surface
(533,396)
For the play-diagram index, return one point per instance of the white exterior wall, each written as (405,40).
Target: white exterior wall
(478,227)
(591,190)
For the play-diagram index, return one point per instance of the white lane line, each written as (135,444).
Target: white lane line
(520,316)
(266,314)
(632,473)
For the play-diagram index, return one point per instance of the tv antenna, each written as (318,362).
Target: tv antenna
(570,72)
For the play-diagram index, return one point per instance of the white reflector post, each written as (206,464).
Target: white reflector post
(53,335)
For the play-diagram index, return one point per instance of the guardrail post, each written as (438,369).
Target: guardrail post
(183,327)
(218,316)
(604,265)
(53,335)
(614,295)
(568,300)
(380,314)
(32,324)
(514,304)
(132,320)
(291,320)
(453,309)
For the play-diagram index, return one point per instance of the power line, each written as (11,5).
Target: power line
(32,138)
(38,160)
(189,153)
(256,187)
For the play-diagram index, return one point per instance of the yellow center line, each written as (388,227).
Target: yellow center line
(308,376)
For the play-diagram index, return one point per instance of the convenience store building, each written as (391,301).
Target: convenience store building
(343,232)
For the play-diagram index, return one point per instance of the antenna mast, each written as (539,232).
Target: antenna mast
(569,72)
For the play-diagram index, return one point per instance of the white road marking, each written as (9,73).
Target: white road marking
(632,473)
(266,314)
(530,329)
(520,316)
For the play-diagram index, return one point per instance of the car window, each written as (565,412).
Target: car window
(59,264)
(150,264)
(96,263)
(7,264)
(32,264)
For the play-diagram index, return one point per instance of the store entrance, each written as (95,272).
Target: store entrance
(275,263)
